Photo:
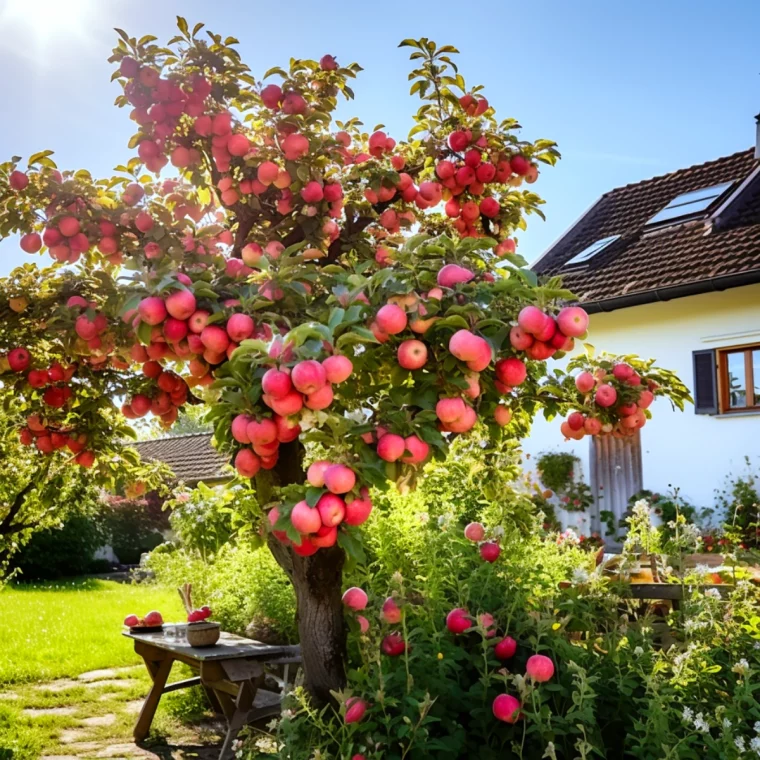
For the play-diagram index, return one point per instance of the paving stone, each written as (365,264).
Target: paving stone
(35,712)
(99,720)
(71,735)
(134,706)
(61,685)
(124,750)
(60,757)
(98,675)
(8,695)
(85,746)
(119,683)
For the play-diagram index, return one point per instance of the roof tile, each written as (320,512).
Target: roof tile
(679,254)
(191,458)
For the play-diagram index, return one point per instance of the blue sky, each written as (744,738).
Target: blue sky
(628,90)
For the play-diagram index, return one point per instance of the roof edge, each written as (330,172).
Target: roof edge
(714,284)
(566,233)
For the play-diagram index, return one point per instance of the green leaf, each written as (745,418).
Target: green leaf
(37,157)
(353,546)
(182,25)
(275,70)
(336,317)
(313,495)
(144,332)
(356,335)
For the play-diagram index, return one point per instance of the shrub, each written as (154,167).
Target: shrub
(132,526)
(241,584)
(557,469)
(204,519)
(616,692)
(740,503)
(58,552)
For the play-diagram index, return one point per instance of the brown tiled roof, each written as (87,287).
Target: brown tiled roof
(645,260)
(190,457)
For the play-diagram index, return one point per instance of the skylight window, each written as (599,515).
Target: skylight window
(590,251)
(691,203)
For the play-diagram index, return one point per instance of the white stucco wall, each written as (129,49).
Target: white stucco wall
(679,449)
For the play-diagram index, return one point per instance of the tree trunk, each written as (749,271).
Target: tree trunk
(321,627)
(318,582)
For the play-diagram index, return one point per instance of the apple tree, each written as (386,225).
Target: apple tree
(317,285)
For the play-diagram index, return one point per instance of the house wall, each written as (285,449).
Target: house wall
(692,452)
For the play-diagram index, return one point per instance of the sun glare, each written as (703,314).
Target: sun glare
(28,27)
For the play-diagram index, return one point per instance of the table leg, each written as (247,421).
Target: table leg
(243,705)
(213,700)
(142,727)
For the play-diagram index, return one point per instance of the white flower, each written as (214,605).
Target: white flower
(690,533)
(688,714)
(757,726)
(550,752)
(638,651)
(741,667)
(726,723)
(701,724)
(641,508)
(498,531)
(702,569)
(423,517)
(740,744)
(754,744)
(580,575)
(713,593)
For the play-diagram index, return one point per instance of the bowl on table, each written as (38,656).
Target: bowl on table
(203,634)
(146,628)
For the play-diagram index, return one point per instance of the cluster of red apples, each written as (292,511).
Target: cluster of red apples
(49,438)
(343,502)
(621,392)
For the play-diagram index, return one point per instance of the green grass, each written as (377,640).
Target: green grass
(59,630)
(64,628)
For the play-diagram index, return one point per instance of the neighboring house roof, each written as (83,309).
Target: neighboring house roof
(191,458)
(680,258)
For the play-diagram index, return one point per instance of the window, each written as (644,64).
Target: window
(739,379)
(590,251)
(690,204)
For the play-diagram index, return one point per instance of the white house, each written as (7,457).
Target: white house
(670,268)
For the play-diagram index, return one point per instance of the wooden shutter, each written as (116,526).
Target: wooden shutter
(705,382)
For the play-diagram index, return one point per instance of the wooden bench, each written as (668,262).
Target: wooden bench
(232,674)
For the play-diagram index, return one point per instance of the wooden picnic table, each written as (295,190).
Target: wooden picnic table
(231,673)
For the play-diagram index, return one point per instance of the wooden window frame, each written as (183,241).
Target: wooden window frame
(749,379)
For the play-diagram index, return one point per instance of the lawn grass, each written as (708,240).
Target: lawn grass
(57,631)
(64,628)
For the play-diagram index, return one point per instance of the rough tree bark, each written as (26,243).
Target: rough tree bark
(317,581)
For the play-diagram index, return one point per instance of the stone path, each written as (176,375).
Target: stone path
(99,675)
(36,712)
(106,736)
(116,683)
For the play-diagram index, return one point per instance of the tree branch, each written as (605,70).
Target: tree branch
(6,527)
